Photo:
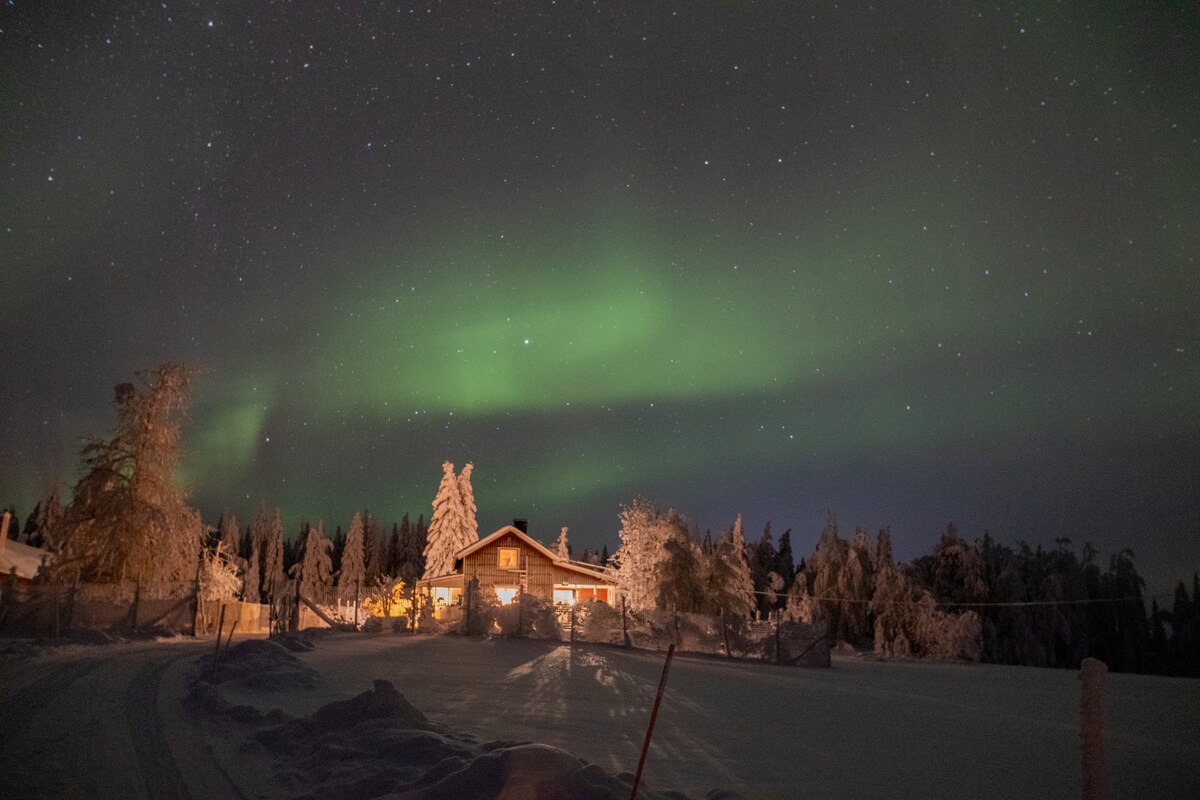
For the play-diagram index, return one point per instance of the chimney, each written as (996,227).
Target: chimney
(521,524)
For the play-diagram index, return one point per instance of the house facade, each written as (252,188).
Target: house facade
(509,561)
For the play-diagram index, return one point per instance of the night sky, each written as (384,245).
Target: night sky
(912,264)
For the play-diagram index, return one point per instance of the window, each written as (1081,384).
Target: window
(506,594)
(507,557)
(564,596)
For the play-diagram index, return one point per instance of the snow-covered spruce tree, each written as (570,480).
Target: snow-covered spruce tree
(43,521)
(728,587)
(272,559)
(467,493)
(644,532)
(229,535)
(250,586)
(561,548)
(449,530)
(411,546)
(314,570)
(801,605)
(353,572)
(680,584)
(127,518)
(374,550)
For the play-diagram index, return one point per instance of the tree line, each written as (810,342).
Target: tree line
(975,601)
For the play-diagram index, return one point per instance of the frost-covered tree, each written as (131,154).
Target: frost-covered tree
(127,518)
(801,605)
(412,562)
(644,534)
(353,571)
(220,577)
(272,558)
(314,570)
(449,528)
(374,549)
(250,590)
(467,494)
(229,534)
(728,587)
(960,574)
(44,519)
(561,548)
(680,582)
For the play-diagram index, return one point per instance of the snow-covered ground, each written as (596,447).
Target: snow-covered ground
(114,721)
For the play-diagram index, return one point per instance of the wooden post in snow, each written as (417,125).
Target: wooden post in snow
(217,651)
(624,626)
(662,685)
(1093,674)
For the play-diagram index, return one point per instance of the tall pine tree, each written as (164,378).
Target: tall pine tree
(353,569)
(449,528)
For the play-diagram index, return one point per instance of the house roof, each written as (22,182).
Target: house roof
(25,558)
(590,570)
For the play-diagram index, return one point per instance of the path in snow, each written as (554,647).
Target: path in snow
(102,722)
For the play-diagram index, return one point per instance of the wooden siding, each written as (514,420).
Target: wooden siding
(542,575)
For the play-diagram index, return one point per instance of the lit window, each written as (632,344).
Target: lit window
(564,596)
(506,557)
(506,594)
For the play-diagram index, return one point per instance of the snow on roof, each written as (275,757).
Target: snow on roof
(25,558)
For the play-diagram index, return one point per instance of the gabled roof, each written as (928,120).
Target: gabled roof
(590,570)
(25,558)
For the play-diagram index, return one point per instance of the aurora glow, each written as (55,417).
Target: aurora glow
(910,266)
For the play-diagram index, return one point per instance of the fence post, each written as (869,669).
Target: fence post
(196,597)
(520,614)
(624,626)
(295,623)
(1093,674)
(71,603)
(137,599)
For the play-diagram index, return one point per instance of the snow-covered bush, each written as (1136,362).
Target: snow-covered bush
(528,617)
(479,610)
(220,578)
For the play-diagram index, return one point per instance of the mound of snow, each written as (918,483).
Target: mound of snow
(522,772)
(383,703)
(263,664)
(378,745)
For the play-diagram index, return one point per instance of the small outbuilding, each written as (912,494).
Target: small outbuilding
(510,561)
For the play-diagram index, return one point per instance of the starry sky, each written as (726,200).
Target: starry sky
(908,264)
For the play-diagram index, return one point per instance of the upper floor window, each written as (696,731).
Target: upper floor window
(507,557)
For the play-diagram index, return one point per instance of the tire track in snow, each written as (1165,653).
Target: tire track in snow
(160,775)
(25,704)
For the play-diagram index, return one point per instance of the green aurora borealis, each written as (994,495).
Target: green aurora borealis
(906,267)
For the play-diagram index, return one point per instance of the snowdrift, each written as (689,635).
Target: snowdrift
(378,745)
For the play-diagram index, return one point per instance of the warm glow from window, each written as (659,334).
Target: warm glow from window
(506,594)
(506,557)
(564,596)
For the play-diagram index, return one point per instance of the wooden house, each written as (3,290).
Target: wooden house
(510,561)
